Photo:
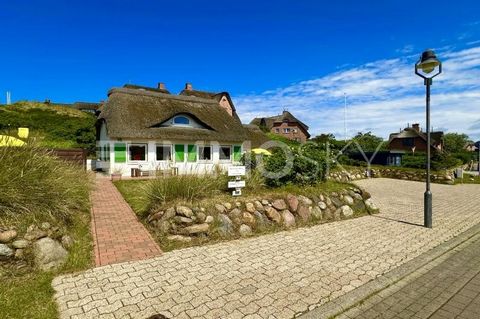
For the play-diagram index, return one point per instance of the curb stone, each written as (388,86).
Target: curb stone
(429,259)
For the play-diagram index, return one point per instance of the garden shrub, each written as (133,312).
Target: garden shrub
(33,181)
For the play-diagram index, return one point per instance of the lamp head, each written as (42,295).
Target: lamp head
(427,63)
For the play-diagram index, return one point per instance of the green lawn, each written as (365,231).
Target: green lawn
(468,179)
(31,295)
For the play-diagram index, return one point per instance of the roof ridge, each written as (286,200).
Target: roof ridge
(163,95)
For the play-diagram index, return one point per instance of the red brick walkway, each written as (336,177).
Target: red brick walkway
(118,235)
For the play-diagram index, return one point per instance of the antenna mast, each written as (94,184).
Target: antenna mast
(345,115)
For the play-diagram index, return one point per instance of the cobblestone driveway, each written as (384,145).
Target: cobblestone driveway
(278,275)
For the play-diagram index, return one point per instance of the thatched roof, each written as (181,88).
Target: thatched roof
(132,113)
(255,135)
(436,137)
(269,122)
(211,95)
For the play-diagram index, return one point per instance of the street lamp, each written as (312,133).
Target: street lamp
(428,67)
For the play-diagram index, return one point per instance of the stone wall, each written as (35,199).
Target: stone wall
(355,173)
(242,218)
(46,245)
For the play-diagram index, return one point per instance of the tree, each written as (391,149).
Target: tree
(368,142)
(455,142)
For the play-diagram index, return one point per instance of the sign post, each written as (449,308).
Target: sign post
(238,184)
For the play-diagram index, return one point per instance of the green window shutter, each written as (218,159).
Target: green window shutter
(120,152)
(237,153)
(179,152)
(192,153)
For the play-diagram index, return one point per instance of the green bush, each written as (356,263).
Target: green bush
(307,166)
(33,181)
(439,161)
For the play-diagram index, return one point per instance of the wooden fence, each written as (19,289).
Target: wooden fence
(73,155)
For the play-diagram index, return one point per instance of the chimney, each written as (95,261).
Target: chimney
(161,86)
(416,127)
(188,86)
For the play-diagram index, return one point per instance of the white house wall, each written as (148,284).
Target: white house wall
(151,164)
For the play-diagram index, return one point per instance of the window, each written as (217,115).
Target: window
(137,152)
(225,153)
(286,130)
(205,153)
(294,130)
(164,152)
(409,141)
(181,120)
(277,130)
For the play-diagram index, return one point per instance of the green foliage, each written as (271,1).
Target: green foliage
(306,166)
(53,127)
(188,187)
(464,156)
(34,181)
(455,142)
(440,161)
(367,142)
(279,138)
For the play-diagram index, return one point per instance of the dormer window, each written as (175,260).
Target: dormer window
(181,120)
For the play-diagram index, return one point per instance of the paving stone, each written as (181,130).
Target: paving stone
(331,258)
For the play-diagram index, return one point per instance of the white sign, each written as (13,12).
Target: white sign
(236,184)
(236,170)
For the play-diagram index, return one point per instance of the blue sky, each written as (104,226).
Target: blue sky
(270,55)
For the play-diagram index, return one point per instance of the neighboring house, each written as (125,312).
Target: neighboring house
(413,139)
(151,129)
(285,125)
(471,147)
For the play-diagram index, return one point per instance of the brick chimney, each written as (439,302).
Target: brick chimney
(188,86)
(161,86)
(416,127)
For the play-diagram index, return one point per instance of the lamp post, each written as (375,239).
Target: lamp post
(428,67)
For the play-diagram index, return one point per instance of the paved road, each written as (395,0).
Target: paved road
(448,290)
(277,275)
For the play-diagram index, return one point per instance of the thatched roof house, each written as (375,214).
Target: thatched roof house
(284,124)
(142,126)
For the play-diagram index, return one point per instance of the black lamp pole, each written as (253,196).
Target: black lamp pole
(424,67)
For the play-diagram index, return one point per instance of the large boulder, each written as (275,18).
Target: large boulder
(288,219)
(322,205)
(169,213)
(225,225)
(261,220)
(337,202)
(196,229)
(304,213)
(220,208)
(292,202)
(7,236)
(347,211)
(250,207)
(317,212)
(245,230)
(49,254)
(348,200)
(273,214)
(183,220)
(279,204)
(259,206)
(305,200)
(184,211)
(5,251)
(20,244)
(248,218)
(371,207)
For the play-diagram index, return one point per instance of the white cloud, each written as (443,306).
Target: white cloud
(382,96)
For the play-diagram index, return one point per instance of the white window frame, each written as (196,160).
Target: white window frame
(286,130)
(229,156)
(172,155)
(198,153)
(179,124)
(137,144)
